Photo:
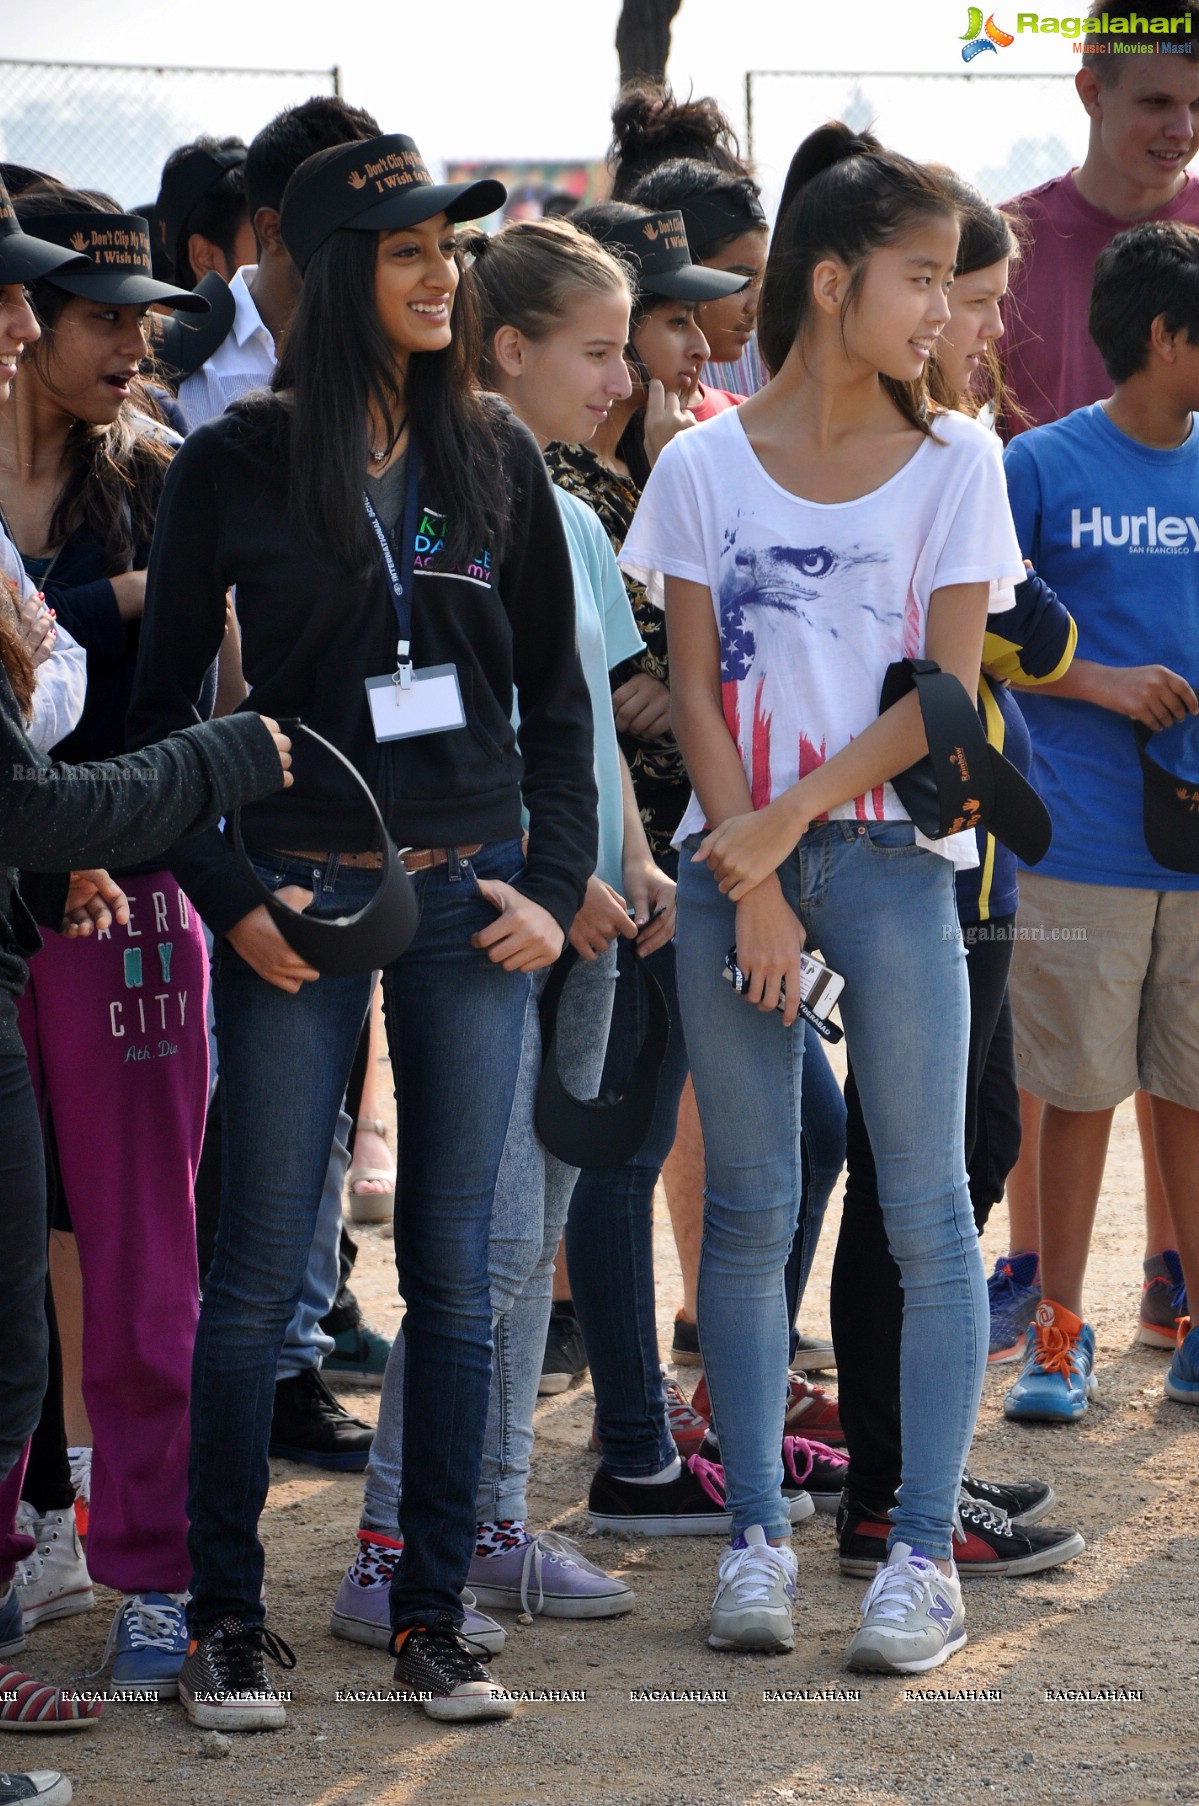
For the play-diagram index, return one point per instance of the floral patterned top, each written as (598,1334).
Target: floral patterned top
(660,779)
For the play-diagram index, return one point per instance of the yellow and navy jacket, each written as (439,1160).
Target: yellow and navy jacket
(1030,644)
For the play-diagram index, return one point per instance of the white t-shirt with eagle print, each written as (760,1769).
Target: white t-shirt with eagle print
(814,600)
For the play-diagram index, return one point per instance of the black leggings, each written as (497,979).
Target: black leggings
(23,1267)
(866,1304)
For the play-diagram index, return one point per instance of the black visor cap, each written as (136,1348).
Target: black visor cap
(373,185)
(606,1130)
(344,946)
(24,258)
(656,244)
(120,270)
(1170,811)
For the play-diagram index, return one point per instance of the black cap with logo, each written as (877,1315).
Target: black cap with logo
(24,258)
(721,213)
(1170,811)
(656,243)
(373,185)
(184,186)
(119,271)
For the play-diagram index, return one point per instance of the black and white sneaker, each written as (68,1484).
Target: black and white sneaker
(441,1672)
(692,1504)
(565,1359)
(1023,1501)
(811,1470)
(223,1684)
(43,1786)
(986,1543)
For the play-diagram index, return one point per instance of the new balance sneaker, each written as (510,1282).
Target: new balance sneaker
(1014,1294)
(310,1425)
(149,1637)
(565,1359)
(1182,1381)
(810,1410)
(812,1472)
(686,1426)
(912,1617)
(814,1354)
(53,1582)
(548,1574)
(692,1504)
(362,1609)
(359,1357)
(45,1786)
(684,1346)
(1057,1380)
(442,1674)
(1023,1501)
(754,1595)
(1163,1300)
(30,1705)
(223,1684)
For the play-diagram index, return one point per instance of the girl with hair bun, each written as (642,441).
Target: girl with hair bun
(649,127)
(811,538)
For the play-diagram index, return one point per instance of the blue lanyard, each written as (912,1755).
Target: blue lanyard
(400,580)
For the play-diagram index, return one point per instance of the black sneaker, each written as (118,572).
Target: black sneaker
(44,1786)
(565,1353)
(1024,1501)
(223,1684)
(988,1543)
(439,1668)
(310,1425)
(811,1470)
(684,1347)
(693,1504)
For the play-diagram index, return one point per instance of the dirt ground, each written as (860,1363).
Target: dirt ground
(1120,1624)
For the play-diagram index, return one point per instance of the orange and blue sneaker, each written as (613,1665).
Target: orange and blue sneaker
(1013,1294)
(1057,1379)
(1182,1381)
(1163,1300)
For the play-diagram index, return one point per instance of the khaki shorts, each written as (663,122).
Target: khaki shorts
(1105,993)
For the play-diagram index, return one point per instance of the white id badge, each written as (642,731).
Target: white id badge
(430,704)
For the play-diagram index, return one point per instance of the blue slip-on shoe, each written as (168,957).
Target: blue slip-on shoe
(1182,1381)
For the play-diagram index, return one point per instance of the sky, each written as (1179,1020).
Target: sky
(536,78)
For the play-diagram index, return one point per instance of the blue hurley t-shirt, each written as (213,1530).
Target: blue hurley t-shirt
(1113,526)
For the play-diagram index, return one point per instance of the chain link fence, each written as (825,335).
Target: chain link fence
(112,126)
(1004,133)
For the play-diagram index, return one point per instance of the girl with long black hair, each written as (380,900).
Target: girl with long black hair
(374,433)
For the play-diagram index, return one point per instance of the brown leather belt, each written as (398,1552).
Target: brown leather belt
(416,859)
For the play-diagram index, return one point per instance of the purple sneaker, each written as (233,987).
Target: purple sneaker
(548,1574)
(362,1609)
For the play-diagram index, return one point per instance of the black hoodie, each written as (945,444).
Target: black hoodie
(311,635)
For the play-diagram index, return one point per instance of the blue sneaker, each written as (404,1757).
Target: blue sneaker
(1163,1300)
(1182,1381)
(1056,1380)
(12,1624)
(149,1635)
(1014,1295)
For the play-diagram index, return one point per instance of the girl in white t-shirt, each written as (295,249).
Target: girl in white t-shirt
(809,539)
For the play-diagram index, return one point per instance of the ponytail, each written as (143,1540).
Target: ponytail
(531,274)
(845,196)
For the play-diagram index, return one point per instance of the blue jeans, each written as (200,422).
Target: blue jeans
(455,1023)
(882,912)
(532,1196)
(305,1342)
(610,1230)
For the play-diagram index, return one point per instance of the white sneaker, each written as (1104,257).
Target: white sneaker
(53,1582)
(912,1617)
(752,1607)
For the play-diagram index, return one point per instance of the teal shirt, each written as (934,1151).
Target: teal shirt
(607,636)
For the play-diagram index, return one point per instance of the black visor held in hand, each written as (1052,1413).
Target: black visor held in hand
(609,1129)
(1170,811)
(344,946)
(963,781)
(180,344)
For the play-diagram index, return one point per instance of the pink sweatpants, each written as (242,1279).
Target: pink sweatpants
(115,1026)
